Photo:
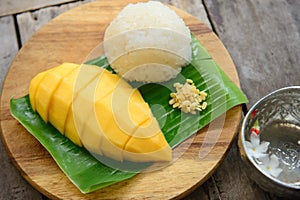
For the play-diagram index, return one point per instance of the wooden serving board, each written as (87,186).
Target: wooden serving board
(69,38)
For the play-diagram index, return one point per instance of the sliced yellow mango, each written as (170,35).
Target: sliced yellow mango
(48,86)
(100,111)
(98,117)
(113,137)
(138,109)
(107,84)
(71,131)
(84,77)
(34,84)
(128,126)
(147,149)
(147,141)
(84,114)
(62,100)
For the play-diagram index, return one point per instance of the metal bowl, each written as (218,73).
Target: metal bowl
(269,142)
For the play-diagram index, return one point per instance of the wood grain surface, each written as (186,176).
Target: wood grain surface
(9,7)
(30,22)
(12,184)
(9,45)
(263,39)
(70,37)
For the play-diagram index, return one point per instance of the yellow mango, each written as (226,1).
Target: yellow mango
(62,100)
(35,82)
(147,149)
(83,112)
(48,85)
(92,132)
(83,78)
(100,111)
(113,137)
(70,129)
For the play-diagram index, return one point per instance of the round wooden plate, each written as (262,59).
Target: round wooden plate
(69,38)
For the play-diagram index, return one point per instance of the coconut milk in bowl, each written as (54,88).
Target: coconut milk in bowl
(269,142)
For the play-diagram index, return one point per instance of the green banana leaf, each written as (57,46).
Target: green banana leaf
(86,172)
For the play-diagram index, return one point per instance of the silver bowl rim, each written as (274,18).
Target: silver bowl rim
(284,184)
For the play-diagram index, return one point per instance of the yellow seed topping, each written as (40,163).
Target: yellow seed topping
(188,98)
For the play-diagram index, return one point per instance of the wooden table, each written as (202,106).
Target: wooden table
(262,36)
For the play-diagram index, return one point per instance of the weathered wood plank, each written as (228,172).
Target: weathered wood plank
(13,186)
(194,7)
(263,39)
(30,22)
(9,45)
(17,6)
(232,180)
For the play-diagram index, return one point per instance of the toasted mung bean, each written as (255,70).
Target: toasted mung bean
(188,98)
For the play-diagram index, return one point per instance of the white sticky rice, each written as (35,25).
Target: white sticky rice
(147,42)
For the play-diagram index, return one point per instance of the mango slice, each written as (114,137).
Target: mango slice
(84,77)
(33,88)
(100,111)
(48,86)
(61,101)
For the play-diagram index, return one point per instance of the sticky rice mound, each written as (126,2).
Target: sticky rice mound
(147,42)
